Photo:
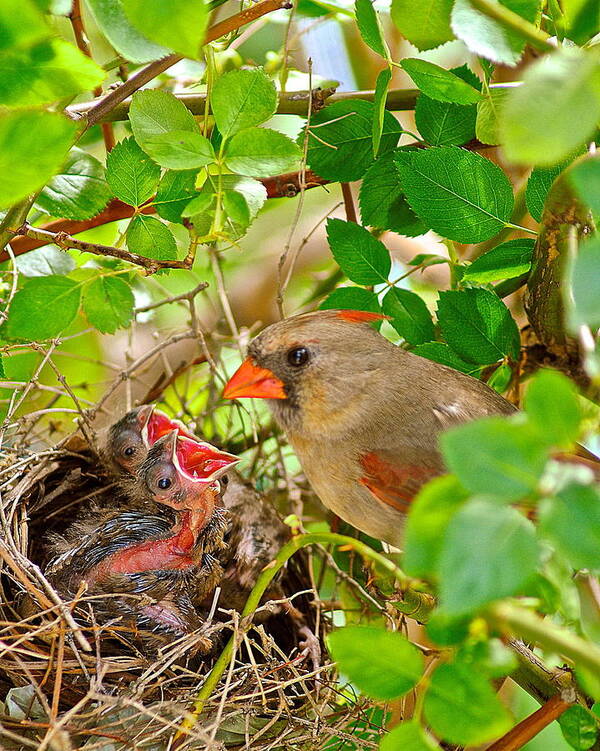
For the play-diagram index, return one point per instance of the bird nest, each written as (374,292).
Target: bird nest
(68,681)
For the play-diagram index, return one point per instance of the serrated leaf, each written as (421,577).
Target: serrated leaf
(242,99)
(571,520)
(149,237)
(236,208)
(555,110)
(487,37)
(175,191)
(442,353)
(440,84)
(154,112)
(552,405)
(383,664)
(408,735)
(489,552)
(409,315)
(254,192)
(539,184)
(180,150)
(462,707)
(50,70)
(108,304)
(459,194)
(261,152)
(45,261)
(379,100)
(478,325)
(351,298)
(363,258)
(24,133)
(488,116)
(200,204)
(179,24)
(125,38)
(79,191)
(341,148)
(382,202)
(43,308)
(131,174)
(505,261)
(425,23)
(579,727)
(495,457)
(370,28)
(429,516)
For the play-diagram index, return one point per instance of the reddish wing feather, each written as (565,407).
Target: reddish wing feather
(395,486)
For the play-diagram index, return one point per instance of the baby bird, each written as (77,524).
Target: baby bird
(143,566)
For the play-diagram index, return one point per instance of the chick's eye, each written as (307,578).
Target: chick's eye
(129,451)
(164,483)
(298,356)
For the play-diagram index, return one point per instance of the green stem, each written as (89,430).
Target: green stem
(546,634)
(14,218)
(264,580)
(514,22)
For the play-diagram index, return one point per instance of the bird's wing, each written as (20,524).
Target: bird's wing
(393,481)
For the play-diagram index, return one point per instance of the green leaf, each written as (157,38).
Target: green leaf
(539,184)
(446,124)
(175,191)
(552,405)
(254,192)
(478,325)
(179,24)
(363,258)
(428,519)
(425,23)
(584,276)
(505,261)
(383,664)
(45,261)
(154,113)
(370,29)
(341,148)
(236,208)
(49,71)
(180,150)
(442,353)
(495,457)
(79,191)
(489,552)
(200,204)
(459,194)
(409,315)
(261,152)
(351,298)
(488,116)
(108,304)
(379,100)
(487,37)
(382,202)
(23,134)
(571,521)
(461,706)
(440,84)
(579,727)
(131,174)
(555,110)
(43,308)
(149,237)
(583,19)
(408,735)
(585,177)
(21,24)
(242,99)
(113,23)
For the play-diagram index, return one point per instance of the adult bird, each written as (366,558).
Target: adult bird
(362,414)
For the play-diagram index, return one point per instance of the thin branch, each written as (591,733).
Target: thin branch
(528,728)
(101,109)
(349,203)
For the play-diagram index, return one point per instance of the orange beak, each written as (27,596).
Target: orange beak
(251,381)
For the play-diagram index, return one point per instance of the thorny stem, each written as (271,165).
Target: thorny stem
(528,728)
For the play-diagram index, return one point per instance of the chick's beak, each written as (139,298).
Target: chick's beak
(201,461)
(249,380)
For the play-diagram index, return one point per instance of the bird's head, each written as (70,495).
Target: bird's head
(183,473)
(311,366)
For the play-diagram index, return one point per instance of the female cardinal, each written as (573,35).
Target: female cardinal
(362,415)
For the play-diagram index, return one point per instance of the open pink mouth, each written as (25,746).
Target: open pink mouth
(160,424)
(201,461)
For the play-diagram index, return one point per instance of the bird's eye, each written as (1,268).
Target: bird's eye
(129,451)
(298,356)
(164,483)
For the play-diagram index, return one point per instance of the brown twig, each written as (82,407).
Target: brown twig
(349,203)
(102,108)
(528,728)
